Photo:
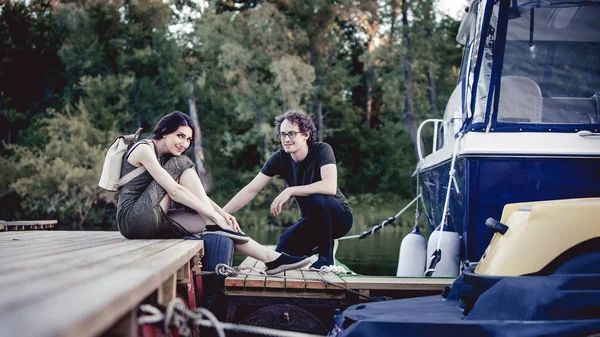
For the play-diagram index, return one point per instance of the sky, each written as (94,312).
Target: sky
(454,8)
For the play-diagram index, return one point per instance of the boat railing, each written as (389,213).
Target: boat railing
(436,130)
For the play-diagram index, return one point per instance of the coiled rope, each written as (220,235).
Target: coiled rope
(179,317)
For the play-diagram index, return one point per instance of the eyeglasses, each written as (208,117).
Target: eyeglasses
(291,134)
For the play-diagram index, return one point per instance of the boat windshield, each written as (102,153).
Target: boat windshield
(551,66)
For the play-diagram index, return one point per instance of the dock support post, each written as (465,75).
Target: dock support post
(168,290)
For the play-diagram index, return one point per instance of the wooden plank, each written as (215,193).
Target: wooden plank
(238,281)
(28,222)
(275,282)
(72,235)
(33,251)
(91,304)
(69,233)
(35,234)
(44,238)
(21,271)
(364,292)
(294,280)
(24,249)
(22,293)
(255,279)
(282,293)
(93,253)
(313,279)
(333,277)
(397,283)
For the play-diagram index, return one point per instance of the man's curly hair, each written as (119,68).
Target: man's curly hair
(304,122)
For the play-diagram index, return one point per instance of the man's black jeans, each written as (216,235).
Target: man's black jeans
(326,220)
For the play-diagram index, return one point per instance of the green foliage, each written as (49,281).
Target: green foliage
(30,71)
(96,69)
(60,179)
(294,78)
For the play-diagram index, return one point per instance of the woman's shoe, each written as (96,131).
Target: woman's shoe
(217,230)
(286,262)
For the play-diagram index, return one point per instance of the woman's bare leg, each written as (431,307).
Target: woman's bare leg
(190,180)
(257,251)
(193,222)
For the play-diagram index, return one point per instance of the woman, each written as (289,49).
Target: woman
(143,207)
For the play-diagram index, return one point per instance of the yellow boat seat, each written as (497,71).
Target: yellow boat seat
(538,233)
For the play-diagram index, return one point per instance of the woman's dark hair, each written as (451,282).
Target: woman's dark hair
(304,122)
(170,123)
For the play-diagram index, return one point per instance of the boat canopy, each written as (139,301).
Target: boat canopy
(531,66)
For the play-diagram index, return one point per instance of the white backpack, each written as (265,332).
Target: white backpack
(111,178)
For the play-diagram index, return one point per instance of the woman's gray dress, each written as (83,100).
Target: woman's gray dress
(139,214)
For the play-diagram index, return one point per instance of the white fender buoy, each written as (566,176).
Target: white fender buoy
(412,255)
(448,266)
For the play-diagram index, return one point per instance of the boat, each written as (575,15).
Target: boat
(523,122)
(513,172)
(540,276)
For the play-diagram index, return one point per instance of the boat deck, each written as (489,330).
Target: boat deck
(75,283)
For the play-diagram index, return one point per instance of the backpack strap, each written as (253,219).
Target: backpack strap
(143,141)
(127,178)
(139,170)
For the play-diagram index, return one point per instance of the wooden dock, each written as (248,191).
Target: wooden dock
(311,289)
(26,225)
(73,283)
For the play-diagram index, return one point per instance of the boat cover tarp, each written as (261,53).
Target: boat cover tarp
(555,305)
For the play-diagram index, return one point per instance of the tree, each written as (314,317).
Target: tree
(30,70)
(61,177)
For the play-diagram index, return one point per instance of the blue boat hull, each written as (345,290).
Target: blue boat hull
(486,184)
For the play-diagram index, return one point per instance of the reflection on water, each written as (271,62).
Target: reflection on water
(376,254)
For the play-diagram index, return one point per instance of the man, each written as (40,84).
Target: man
(309,170)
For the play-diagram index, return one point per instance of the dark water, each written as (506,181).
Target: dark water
(376,254)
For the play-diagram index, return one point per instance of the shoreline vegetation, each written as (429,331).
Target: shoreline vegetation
(74,75)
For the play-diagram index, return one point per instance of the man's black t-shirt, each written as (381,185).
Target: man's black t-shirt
(304,172)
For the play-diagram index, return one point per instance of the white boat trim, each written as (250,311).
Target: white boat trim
(518,145)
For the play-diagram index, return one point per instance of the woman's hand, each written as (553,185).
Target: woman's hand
(220,221)
(231,221)
(278,202)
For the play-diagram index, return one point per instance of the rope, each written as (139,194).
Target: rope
(179,316)
(154,316)
(212,320)
(437,254)
(223,269)
(335,269)
(383,224)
